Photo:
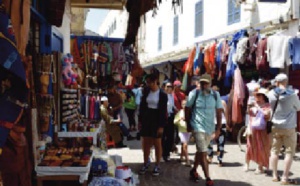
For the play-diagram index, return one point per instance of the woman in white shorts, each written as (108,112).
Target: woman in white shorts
(184,135)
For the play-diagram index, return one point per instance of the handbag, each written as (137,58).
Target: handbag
(270,123)
(259,122)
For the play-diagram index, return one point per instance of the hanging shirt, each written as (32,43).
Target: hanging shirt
(294,52)
(278,53)
(230,67)
(261,55)
(196,58)
(153,99)
(241,51)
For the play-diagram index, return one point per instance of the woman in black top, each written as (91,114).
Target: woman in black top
(153,117)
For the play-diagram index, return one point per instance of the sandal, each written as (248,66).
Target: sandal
(289,182)
(276,179)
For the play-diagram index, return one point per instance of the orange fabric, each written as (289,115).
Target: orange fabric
(213,54)
(207,62)
(258,144)
(188,66)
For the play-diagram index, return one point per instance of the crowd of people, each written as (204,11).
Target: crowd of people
(166,115)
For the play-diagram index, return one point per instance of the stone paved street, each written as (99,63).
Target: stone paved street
(173,173)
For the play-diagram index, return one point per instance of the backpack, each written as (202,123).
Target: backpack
(188,111)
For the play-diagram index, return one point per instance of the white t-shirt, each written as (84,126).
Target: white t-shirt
(153,99)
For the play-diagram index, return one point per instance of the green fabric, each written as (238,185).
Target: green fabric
(130,104)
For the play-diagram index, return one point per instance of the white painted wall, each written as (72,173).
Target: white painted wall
(215,24)
(121,18)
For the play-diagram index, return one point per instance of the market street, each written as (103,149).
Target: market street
(231,174)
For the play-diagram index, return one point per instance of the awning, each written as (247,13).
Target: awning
(173,57)
(105,4)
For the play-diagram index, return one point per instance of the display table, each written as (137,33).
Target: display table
(63,173)
(81,135)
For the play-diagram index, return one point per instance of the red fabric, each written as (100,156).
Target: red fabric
(92,107)
(178,98)
(261,56)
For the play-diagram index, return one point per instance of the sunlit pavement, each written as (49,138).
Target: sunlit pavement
(231,174)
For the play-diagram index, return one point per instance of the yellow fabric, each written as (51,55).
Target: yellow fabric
(179,122)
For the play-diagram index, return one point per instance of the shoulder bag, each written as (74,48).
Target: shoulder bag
(270,123)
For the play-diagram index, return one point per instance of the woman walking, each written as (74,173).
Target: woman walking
(184,135)
(258,141)
(153,117)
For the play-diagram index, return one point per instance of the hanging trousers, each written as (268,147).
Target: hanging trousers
(220,145)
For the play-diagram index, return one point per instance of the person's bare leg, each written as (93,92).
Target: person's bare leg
(274,164)
(158,150)
(197,160)
(288,160)
(185,151)
(147,144)
(204,164)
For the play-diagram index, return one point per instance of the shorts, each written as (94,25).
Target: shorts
(286,138)
(202,141)
(184,137)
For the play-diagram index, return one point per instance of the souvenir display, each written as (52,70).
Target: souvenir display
(66,157)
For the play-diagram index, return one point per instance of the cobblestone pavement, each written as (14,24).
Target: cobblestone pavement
(231,174)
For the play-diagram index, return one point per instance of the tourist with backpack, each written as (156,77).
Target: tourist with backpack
(203,105)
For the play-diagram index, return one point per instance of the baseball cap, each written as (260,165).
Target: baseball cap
(281,77)
(205,78)
(104,98)
(177,83)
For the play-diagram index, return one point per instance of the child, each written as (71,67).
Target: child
(183,134)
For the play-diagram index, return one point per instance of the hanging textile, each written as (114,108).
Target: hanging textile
(277,50)
(188,66)
(294,52)
(238,97)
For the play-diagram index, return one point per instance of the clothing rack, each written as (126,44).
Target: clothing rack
(261,28)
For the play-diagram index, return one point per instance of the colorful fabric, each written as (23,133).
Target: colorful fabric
(238,98)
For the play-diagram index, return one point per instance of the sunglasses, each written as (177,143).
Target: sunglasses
(169,86)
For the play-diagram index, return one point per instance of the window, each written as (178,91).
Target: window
(175,31)
(199,18)
(159,38)
(234,12)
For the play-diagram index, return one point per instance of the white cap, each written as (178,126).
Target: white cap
(281,77)
(104,98)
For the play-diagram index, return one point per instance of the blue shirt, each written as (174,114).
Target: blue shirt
(204,110)
(294,45)
(138,95)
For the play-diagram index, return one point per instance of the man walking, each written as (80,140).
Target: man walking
(285,104)
(204,104)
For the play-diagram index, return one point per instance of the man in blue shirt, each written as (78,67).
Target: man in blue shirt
(204,103)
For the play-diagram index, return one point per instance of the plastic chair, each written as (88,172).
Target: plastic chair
(109,141)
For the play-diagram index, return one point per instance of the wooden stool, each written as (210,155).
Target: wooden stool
(109,141)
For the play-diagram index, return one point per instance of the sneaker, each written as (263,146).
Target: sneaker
(156,171)
(143,169)
(209,182)
(129,138)
(220,164)
(194,175)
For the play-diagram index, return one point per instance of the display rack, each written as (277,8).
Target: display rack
(69,109)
